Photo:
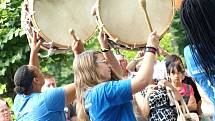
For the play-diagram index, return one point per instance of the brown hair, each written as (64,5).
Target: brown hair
(86,77)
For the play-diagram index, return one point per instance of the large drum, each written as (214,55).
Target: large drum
(126,23)
(53,18)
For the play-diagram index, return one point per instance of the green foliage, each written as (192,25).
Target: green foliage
(179,35)
(174,41)
(168,44)
(93,43)
(60,66)
(128,54)
(2,88)
(14,49)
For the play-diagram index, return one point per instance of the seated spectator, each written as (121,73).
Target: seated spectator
(49,82)
(187,80)
(176,75)
(5,114)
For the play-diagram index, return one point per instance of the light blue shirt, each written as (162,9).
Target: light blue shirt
(110,101)
(46,106)
(199,75)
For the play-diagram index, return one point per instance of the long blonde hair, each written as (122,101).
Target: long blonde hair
(85,78)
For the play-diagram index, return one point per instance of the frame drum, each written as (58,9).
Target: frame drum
(125,22)
(53,18)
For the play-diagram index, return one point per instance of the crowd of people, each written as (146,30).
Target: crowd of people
(106,87)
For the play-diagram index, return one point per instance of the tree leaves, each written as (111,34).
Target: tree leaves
(179,33)
(2,88)
(13,51)
(2,72)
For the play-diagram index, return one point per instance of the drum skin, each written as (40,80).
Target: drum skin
(125,22)
(54,18)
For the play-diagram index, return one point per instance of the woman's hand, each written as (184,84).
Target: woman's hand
(140,53)
(153,40)
(151,89)
(103,40)
(165,83)
(35,47)
(77,45)
(35,43)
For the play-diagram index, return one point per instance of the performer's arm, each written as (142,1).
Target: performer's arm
(115,67)
(35,47)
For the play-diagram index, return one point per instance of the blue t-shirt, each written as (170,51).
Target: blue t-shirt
(110,101)
(46,106)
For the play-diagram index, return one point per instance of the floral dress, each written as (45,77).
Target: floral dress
(160,109)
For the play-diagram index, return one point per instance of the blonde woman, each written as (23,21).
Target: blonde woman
(102,99)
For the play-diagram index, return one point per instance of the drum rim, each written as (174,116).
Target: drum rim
(132,46)
(47,39)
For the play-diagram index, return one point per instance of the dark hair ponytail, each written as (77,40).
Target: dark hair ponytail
(23,79)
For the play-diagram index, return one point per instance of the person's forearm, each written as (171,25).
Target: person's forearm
(192,107)
(146,108)
(70,93)
(144,75)
(142,104)
(163,52)
(116,68)
(109,56)
(34,59)
(35,47)
(132,65)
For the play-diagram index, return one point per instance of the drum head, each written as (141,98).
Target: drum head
(125,22)
(54,18)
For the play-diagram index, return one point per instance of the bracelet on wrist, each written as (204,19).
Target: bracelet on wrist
(105,49)
(151,49)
